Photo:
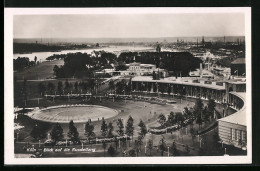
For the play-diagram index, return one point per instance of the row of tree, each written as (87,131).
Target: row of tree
(172,61)
(66,87)
(120,87)
(22,63)
(198,113)
(106,130)
(82,64)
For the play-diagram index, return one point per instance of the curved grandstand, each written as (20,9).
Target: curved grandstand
(230,93)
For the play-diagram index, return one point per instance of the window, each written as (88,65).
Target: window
(236,134)
(241,135)
(231,136)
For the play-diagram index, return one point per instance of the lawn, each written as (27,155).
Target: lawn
(40,71)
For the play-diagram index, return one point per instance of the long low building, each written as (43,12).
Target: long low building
(190,86)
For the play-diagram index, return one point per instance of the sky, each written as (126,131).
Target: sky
(128,25)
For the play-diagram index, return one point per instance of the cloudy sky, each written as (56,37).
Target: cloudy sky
(128,26)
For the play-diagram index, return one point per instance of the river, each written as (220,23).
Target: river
(41,56)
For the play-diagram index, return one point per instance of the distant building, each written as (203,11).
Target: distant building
(137,69)
(96,54)
(238,67)
(144,69)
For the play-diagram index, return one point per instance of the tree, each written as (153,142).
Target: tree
(155,87)
(110,130)
(187,149)
(76,85)
(120,87)
(104,145)
(121,66)
(150,146)
(67,85)
(24,89)
(162,146)
(121,127)
(162,120)
(50,87)
(143,129)
(162,88)
(111,151)
(181,92)
(38,132)
(35,59)
(174,149)
(57,132)
(41,88)
(198,107)
(179,118)
(111,85)
(89,131)
(132,153)
(198,111)
(169,90)
(199,121)
(21,63)
(56,70)
(187,113)
(211,107)
(138,144)
(59,87)
(104,128)
(206,113)
(116,142)
(129,127)
(154,75)
(171,119)
(73,132)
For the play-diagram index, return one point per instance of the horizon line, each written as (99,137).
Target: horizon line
(124,37)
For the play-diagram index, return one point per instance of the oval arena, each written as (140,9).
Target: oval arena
(77,113)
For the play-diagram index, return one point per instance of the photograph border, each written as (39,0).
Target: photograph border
(8,87)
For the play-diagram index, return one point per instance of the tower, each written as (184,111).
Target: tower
(203,41)
(158,48)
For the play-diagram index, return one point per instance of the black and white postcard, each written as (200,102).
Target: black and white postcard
(127,86)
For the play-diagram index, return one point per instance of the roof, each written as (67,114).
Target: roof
(240,116)
(147,65)
(134,64)
(239,61)
(236,118)
(183,81)
(241,95)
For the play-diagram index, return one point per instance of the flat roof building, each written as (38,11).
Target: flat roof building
(238,67)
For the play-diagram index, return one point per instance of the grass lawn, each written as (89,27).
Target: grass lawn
(40,71)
